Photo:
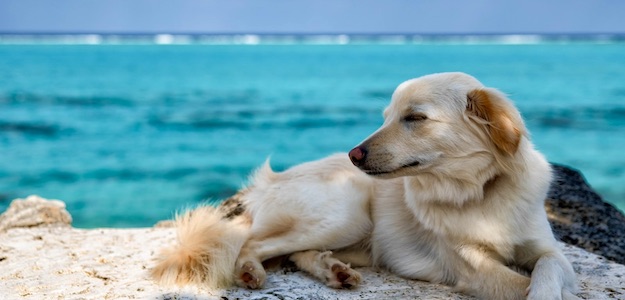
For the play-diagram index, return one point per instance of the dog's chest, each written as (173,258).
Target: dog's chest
(468,224)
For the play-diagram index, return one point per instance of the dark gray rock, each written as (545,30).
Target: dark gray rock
(581,218)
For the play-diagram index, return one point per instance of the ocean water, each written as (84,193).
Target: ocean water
(126,134)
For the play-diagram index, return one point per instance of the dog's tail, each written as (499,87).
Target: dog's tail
(209,242)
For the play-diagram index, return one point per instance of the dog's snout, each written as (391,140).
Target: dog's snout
(358,155)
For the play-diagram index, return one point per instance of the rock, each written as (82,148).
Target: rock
(35,211)
(581,218)
(69,263)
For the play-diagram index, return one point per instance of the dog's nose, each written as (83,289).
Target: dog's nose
(358,156)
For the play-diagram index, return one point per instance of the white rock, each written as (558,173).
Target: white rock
(35,211)
(69,263)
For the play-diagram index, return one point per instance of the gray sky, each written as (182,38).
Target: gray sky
(313,16)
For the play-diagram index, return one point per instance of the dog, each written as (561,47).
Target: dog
(449,190)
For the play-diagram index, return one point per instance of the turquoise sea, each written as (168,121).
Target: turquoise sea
(128,133)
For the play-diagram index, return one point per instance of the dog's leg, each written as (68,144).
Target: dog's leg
(494,281)
(328,269)
(358,255)
(552,278)
(488,278)
(251,274)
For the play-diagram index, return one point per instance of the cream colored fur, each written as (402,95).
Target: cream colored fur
(454,194)
(205,252)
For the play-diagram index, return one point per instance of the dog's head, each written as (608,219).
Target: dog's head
(445,122)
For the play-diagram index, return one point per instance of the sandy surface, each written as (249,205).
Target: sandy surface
(69,263)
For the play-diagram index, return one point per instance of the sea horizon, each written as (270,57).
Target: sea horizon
(252,38)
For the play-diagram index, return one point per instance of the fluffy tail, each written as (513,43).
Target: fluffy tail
(206,252)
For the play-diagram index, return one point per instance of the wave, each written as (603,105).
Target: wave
(307,123)
(295,117)
(578,118)
(36,129)
(204,97)
(214,183)
(384,94)
(333,39)
(70,176)
(15,98)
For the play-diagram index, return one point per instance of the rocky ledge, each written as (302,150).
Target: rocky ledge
(43,257)
(581,218)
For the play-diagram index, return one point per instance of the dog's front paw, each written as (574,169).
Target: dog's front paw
(251,275)
(543,292)
(552,294)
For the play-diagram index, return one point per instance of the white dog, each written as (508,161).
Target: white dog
(450,189)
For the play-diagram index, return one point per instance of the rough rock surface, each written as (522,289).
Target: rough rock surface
(581,218)
(69,263)
(35,211)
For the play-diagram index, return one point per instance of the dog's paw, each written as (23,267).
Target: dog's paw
(550,294)
(542,292)
(328,269)
(343,276)
(338,274)
(251,275)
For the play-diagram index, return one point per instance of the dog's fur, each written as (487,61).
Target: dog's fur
(450,189)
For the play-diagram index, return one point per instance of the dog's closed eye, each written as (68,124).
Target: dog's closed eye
(415,117)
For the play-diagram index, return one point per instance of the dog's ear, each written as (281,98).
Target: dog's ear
(496,114)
